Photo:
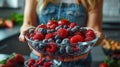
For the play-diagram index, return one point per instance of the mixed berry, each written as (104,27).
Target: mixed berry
(60,38)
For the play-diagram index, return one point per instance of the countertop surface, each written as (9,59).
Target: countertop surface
(5,32)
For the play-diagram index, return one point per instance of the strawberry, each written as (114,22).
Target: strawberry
(50,35)
(47,64)
(8,23)
(63,33)
(19,58)
(38,36)
(3,65)
(51,47)
(63,22)
(103,65)
(76,39)
(72,25)
(11,62)
(51,22)
(90,33)
(89,38)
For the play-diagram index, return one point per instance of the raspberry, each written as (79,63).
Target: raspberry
(51,22)
(75,48)
(48,36)
(19,58)
(76,39)
(78,33)
(38,36)
(63,22)
(39,62)
(63,33)
(31,62)
(47,64)
(72,25)
(90,33)
(42,26)
(51,47)
(89,38)
(53,26)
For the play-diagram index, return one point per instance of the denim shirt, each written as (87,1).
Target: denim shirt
(73,12)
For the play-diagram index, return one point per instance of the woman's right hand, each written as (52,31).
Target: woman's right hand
(23,31)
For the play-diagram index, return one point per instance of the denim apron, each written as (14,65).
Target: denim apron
(74,13)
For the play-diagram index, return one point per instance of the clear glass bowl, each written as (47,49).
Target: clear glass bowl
(83,47)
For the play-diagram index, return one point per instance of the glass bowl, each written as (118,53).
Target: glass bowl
(79,48)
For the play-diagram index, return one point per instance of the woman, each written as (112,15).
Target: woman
(84,12)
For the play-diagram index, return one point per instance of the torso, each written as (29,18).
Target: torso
(65,9)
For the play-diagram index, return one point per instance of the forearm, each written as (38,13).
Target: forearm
(95,17)
(30,17)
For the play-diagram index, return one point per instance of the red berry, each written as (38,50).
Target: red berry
(42,26)
(39,62)
(3,65)
(19,58)
(103,65)
(31,62)
(50,35)
(51,22)
(47,64)
(38,36)
(75,48)
(51,47)
(53,26)
(63,33)
(11,62)
(63,22)
(89,38)
(78,33)
(90,33)
(31,35)
(76,39)
(72,25)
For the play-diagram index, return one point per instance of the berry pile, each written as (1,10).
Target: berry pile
(38,63)
(58,38)
(12,60)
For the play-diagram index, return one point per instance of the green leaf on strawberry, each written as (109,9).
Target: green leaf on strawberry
(4,61)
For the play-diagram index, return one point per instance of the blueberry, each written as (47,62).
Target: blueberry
(41,45)
(50,40)
(82,29)
(62,50)
(58,41)
(68,49)
(74,29)
(45,41)
(35,43)
(31,30)
(65,41)
(42,30)
(50,31)
(56,37)
(70,32)
(65,26)
(58,27)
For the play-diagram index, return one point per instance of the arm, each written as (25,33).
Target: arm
(95,17)
(95,20)
(30,18)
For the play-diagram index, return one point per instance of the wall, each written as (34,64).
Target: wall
(5,13)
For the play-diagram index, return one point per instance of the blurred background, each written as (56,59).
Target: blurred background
(11,18)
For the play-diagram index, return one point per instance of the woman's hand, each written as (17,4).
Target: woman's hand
(100,38)
(23,31)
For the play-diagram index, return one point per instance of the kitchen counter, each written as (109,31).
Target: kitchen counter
(6,33)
